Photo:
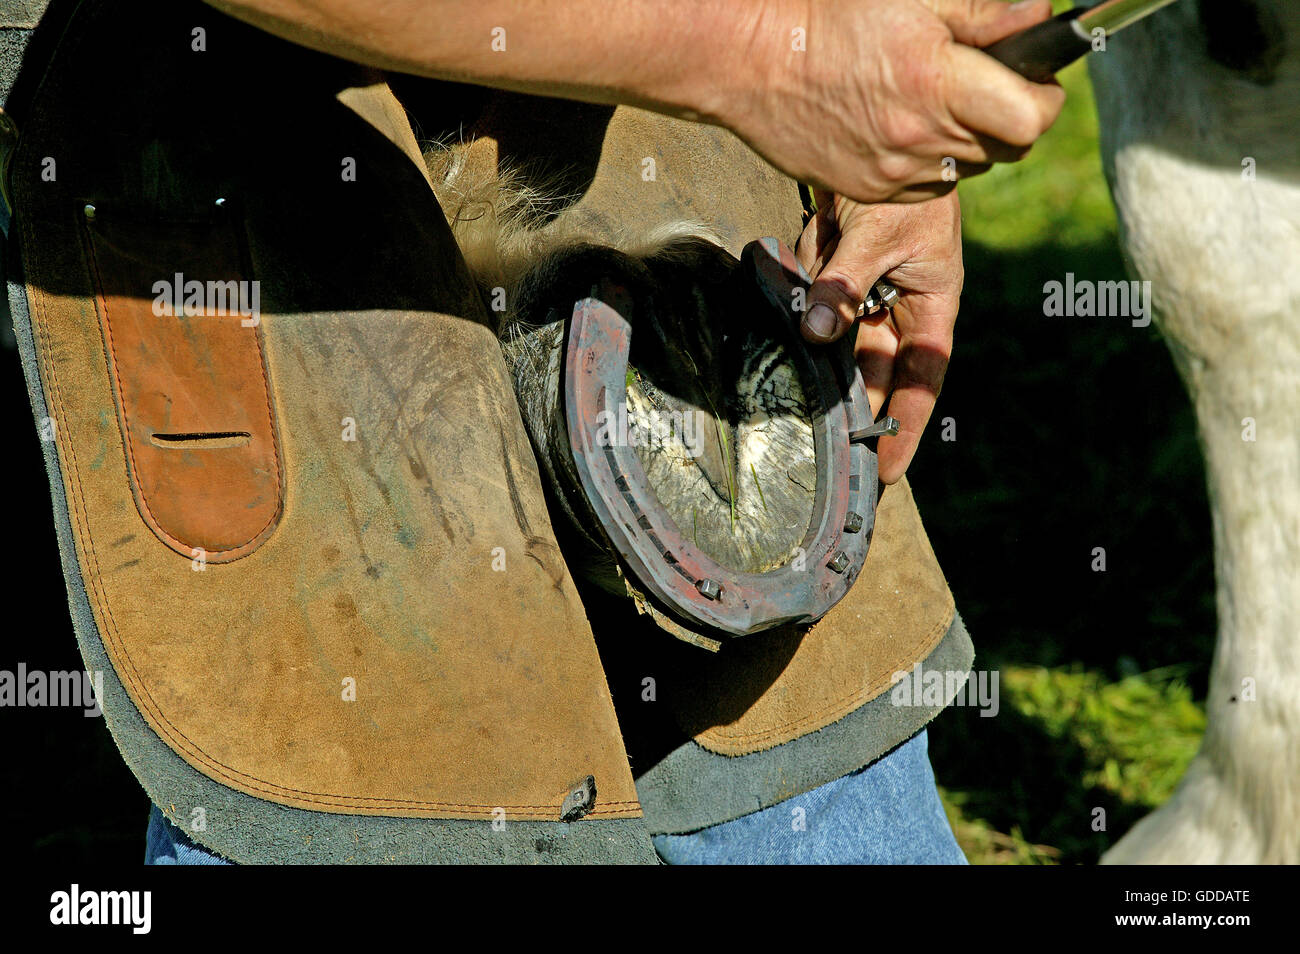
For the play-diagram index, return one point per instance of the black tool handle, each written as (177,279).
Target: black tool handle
(1037,53)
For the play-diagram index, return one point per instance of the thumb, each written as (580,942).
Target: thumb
(982,23)
(843,284)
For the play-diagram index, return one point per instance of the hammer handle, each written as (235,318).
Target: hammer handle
(1037,53)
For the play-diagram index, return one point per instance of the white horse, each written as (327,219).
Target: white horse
(1200,116)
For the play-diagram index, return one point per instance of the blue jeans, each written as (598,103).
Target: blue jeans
(166,844)
(886,813)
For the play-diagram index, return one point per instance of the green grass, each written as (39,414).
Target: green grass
(1137,735)
(1125,744)
(1057,194)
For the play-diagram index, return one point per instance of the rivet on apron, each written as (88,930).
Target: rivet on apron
(580,801)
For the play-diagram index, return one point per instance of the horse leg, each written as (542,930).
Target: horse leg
(1198,141)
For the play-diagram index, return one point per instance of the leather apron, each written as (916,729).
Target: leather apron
(308,547)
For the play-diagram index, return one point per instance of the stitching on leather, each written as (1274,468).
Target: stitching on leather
(129,440)
(836,709)
(177,739)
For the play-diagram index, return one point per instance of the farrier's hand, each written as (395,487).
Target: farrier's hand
(847,247)
(886,91)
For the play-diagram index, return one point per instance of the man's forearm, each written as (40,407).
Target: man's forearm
(870,99)
(688,58)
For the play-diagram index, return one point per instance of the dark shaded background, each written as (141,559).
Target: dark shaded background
(1067,439)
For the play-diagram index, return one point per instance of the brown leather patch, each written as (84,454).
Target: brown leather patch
(627,171)
(190,380)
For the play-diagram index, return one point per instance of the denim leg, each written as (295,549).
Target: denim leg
(886,813)
(165,844)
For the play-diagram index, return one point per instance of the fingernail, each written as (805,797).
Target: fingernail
(1023,4)
(820,321)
